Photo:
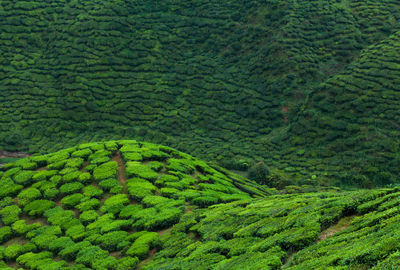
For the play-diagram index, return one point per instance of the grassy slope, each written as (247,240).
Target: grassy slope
(216,79)
(127,205)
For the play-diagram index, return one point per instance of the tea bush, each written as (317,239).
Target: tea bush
(38,207)
(105,170)
(139,170)
(10,214)
(28,195)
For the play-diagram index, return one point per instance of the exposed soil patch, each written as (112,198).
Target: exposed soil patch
(84,165)
(195,175)
(76,213)
(29,220)
(163,232)
(338,227)
(189,208)
(104,198)
(121,170)
(152,252)
(6,154)
(194,236)
(116,254)
(18,240)
(14,265)
(151,255)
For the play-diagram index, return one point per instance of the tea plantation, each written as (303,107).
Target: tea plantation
(234,82)
(134,205)
(104,205)
(348,131)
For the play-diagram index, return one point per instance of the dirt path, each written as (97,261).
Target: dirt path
(30,220)
(338,227)
(121,170)
(165,231)
(6,154)
(151,255)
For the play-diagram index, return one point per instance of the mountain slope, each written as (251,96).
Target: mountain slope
(215,79)
(349,128)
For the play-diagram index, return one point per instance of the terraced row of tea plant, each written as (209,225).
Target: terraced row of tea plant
(216,79)
(288,232)
(349,130)
(104,205)
(369,241)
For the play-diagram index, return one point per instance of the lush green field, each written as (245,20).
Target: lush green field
(131,205)
(234,82)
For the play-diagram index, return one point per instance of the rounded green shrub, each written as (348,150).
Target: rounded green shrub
(137,169)
(38,207)
(92,191)
(71,200)
(28,195)
(113,241)
(5,234)
(108,184)
(105,170)
(10,214)
(127,263)
(70,188)
(141,247)
(88,216)
(115,204)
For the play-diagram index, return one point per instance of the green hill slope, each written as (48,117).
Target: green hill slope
(90,204)
(349,129)
(288,232)
(130,205)
(215,79)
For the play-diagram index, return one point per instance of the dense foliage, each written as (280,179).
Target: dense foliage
(104,205)
(350,126)
(223,80)
(301,95)
(132,205)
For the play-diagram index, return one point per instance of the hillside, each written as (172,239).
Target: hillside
(104,197)
(358,230)
(348,130)
(225,81)
(127,205)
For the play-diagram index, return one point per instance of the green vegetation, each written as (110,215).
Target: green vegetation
(349,126)
(84,213)
(287,231)
(177,212)
(307,87)
(300,99)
